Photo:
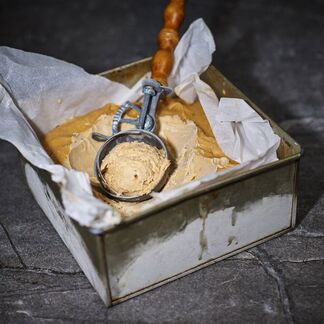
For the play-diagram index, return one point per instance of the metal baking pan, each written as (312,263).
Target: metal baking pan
(190,231)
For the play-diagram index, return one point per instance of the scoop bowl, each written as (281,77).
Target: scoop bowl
(134,135)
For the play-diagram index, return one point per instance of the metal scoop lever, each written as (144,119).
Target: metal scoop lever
(152,91)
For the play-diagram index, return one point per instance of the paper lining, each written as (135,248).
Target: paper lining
(49,91)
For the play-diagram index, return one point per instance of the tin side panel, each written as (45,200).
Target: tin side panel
(86,248)
(199,230)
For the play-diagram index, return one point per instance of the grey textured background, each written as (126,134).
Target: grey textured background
(274,52)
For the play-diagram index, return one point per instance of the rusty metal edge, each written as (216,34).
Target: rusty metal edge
(295,196)
(105,266)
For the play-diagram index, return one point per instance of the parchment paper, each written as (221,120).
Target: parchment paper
(38,92)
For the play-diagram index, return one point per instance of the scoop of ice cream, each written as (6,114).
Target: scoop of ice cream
(134,168)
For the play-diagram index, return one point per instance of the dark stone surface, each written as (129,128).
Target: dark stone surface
(273,51)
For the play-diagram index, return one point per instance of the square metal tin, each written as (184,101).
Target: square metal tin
(190,231)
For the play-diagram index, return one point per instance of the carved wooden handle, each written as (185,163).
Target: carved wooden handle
(168,38)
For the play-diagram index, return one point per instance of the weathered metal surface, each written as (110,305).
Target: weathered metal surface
(199,230)
(86,248)
(190,231)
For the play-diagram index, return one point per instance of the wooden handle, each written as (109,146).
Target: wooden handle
(168,38)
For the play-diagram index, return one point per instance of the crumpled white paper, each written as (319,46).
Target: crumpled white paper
(38,92)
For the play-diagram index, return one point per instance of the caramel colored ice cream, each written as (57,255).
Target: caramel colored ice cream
(184,129)
(134,169)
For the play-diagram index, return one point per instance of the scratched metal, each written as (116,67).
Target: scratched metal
(199,230)
(192,230)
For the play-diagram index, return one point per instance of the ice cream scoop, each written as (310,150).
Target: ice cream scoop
(153,90)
